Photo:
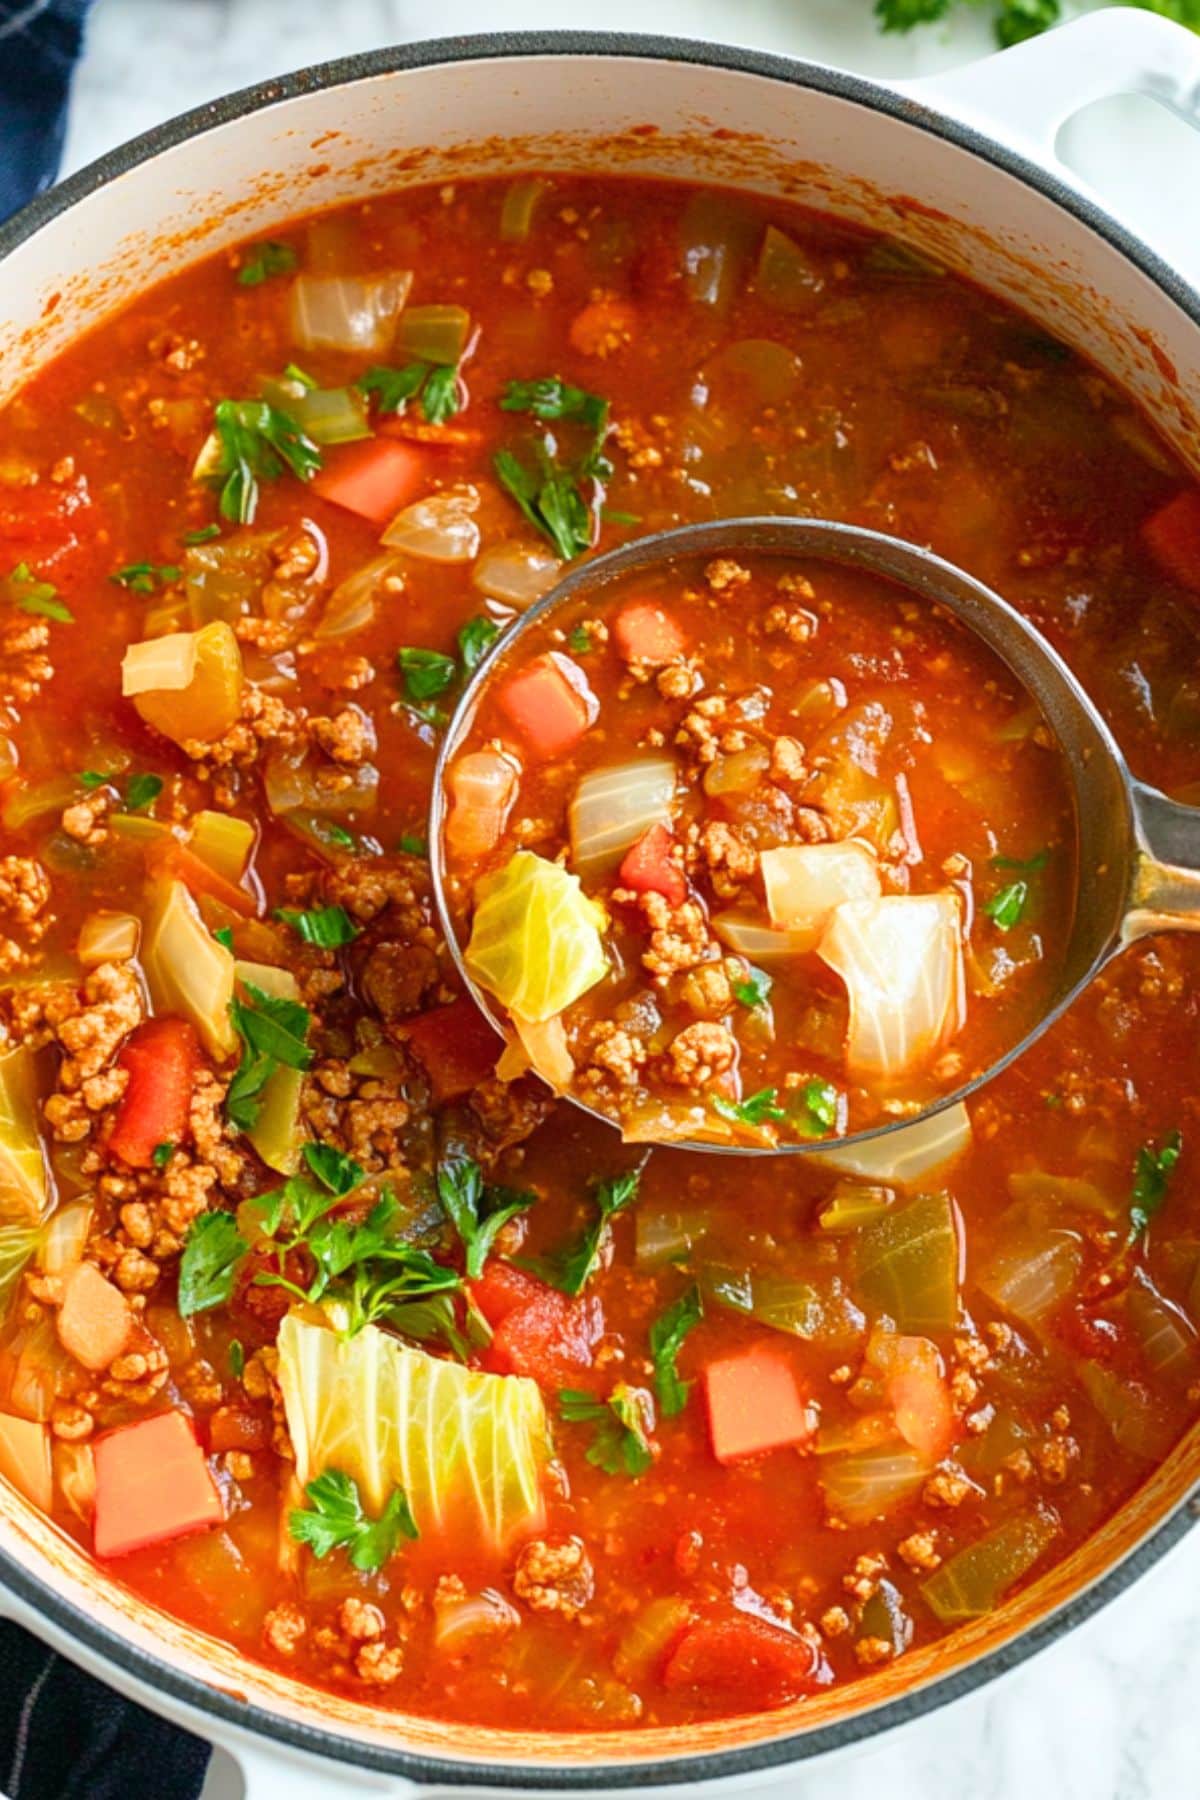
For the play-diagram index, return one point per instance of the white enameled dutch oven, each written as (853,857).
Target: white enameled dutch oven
(965,167)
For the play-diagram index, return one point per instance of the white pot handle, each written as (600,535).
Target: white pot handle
(1026,95)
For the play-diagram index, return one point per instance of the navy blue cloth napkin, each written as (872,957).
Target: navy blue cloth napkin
(64,1736)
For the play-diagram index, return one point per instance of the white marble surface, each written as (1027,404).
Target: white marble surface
(1108,1713)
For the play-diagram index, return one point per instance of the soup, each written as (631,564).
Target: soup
(327,1329)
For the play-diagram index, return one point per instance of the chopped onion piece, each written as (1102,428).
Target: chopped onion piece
(805,882)
(738,773)
(348,312)
(1034,1272)
(25,1459)
(64,1238)
(975,1579)
(909,1155)
(761,943)
(613,807)
(545,1045)
(159,665)
(438,529)
(299,783)
(481,788)
(461,1619)
(515,574)
(353,603)
(107,937)
(901,960)
(868,1484)
(1167,1337)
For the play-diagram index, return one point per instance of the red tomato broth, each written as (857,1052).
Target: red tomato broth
(906,400)
(931,756)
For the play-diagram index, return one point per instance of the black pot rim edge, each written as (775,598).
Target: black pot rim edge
(864,1726)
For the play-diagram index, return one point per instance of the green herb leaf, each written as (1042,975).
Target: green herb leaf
(142,791)
(412,845)
(1029,865)
(204,534)
(754,990)
(475,640)
(426,672)
(756,1110)
(1152,1172)
(666,1340)
(818,1110)
(571,1270)
(40,598)
(902,15)
(551,500)
(163,1154)
(144,578)
(209,1262)
(393,388)
(272,1031)
(1006,907)
(579,640)
(476,1211)
(264,261)
(336,1521)
(338,1173)
(237,1358)
(549,397)
(328,831)
(328,927)
(256,442)
(93,778)
(439,396)
(224,936)
(621,1442)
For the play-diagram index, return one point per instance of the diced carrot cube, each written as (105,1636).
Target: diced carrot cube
(374,478)
(455,1046)
(550,707)
(161,1060)
(94,1321)
(650,867)
(648,635)
(755,1404)
(152,1483)
(167,856)
(1173,534)
(916,1390)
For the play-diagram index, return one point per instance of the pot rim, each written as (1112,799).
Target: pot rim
(801,1746)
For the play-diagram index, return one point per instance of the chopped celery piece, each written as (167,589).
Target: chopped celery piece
(187,971)
(907,1265)
(783,1302)
(326,415)
(223,580)
(786,278)
(461,1444)
(975,1580)
(520,203)
(137,828)
(536,939)
(223,841)
(24,1190)
(868,1484)
(851,1205)
(29,802)
(433,334)
(278,1133)
(715,236)
(668,1233)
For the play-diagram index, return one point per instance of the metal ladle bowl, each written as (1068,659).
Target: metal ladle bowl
(1138,852)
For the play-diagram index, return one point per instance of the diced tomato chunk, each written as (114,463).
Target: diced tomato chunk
(744,1665)
(49,526)
(1173,534)
(650,867)
(161,1059)
(648,635)
(537,1331)
(455,1046)
(916,1391)
(238,1428)
(755,1404)
(550,707)
(152,1483)
(374,478)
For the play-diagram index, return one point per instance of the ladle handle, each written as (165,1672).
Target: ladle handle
(1166,882)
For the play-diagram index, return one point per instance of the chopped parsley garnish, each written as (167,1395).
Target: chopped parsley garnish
(475,640)
(93,778)
(1029,865)
(579,640)
(621,1442)
(435,383)
(162,1154)
(272,1031)
(264,261)
(754,989)
(144,577)
(570,1270)
(208,1266)
(817,1112)
(293,372)
(142,791)
(548,397)
(327,927)
(335,1520)
(237,1358)
(328,831)
(550,494)
(253,441)
(413,845)
(40,598)
(1006,908)
(204,534)
(756,1110)
(666,1340)
(1152,1172)
(224,936)
(426,673)
(475,1209)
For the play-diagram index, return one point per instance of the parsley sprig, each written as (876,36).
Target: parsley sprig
(434,384)
(571,1269)
(476,1209)
(273,1033)
(335,1520)
(325,927)
(262,262)
(1152,1172)
(29,594)
(551,492)
(757,1109)
(666,1341)
(208,1266)
(252,442)
(621,1443)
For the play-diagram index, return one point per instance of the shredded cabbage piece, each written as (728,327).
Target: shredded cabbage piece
(901,960)
(805,882)
(24,1189)
(462,1444)
(536,940)
(614,806)
(907,1156)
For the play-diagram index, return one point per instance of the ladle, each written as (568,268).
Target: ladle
(1138,860)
